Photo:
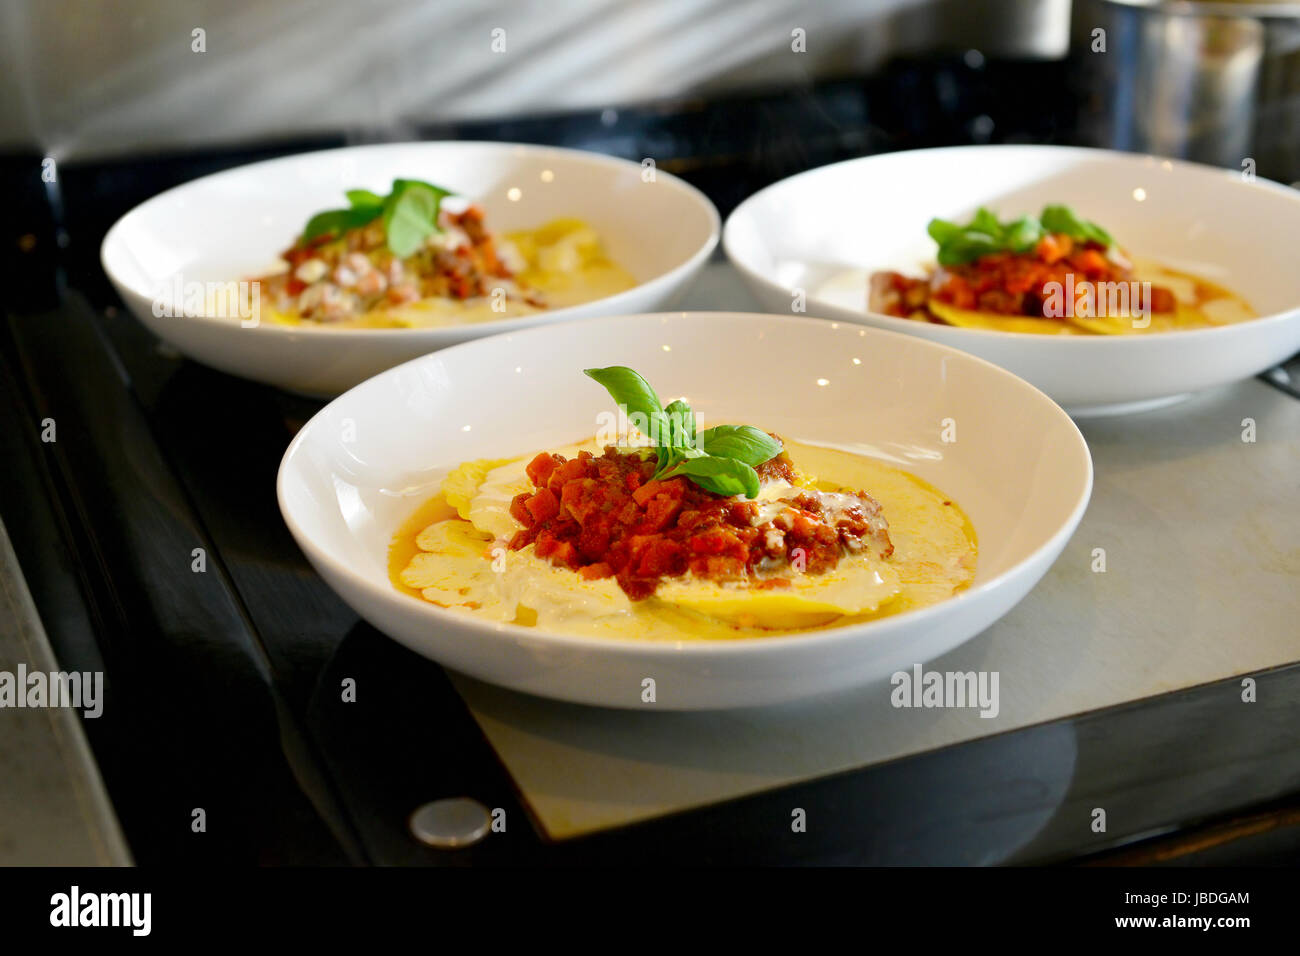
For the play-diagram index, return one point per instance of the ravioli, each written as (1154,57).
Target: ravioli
(1054,274)
(557,265)
(464,563)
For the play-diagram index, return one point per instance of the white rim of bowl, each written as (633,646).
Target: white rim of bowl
(702,646)
(496,326)
(1076,341)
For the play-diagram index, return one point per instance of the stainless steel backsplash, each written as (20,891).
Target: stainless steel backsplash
(93,77)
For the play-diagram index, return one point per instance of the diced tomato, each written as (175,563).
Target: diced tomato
(565,553)
(540,468)
(543,505)
(1162,300)
(660,558)
(1010,284)
(716,541)
(569,470)
(1092,263)
(577,498)
(546,544)
(647,491)
(593,541)
(659,514)
(1053,248)
(519,509)
(606,517)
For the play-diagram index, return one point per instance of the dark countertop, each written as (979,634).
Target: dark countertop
(219,682)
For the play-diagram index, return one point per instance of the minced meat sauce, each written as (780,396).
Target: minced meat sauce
(339,278)
(606,516)
(1011,284)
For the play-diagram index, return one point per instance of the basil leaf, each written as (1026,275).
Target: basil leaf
(670,458)
(681,424)
(942,231)
(1097,234)
(410,215)
(403,183)
(717,459)
(722,476)
(666,459)
(967,247)
(985,235)
(364,199)
(986,223)
(634,393)
(1061,219)
(744,443)
(337,221)
(1023,234)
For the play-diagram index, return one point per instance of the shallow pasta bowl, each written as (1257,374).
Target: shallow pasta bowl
(363,465)
(812,240)
(233,226)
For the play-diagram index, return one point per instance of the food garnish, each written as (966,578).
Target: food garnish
(410,260)
(607,516)
(720,459)
(1053,274)
(660,529)
(985,234)
(409,213)
(584,540)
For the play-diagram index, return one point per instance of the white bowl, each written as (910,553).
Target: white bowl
(826,230)
(361,466)
(234,224)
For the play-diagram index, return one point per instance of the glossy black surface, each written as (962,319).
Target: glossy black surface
(224,685)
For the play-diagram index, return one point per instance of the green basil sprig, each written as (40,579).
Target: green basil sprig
(1061,219)
(409,214)
(722,476)
(720,459)
(985,234)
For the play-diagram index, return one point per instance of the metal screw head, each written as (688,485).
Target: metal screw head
(450,823)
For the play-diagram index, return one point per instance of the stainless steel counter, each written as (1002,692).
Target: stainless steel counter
(53,807)
(1200,533)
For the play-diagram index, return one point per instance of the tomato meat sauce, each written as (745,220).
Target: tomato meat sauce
(335,279)
(606,516)
(1010,283)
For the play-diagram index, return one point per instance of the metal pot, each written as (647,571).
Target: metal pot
(1216,82)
